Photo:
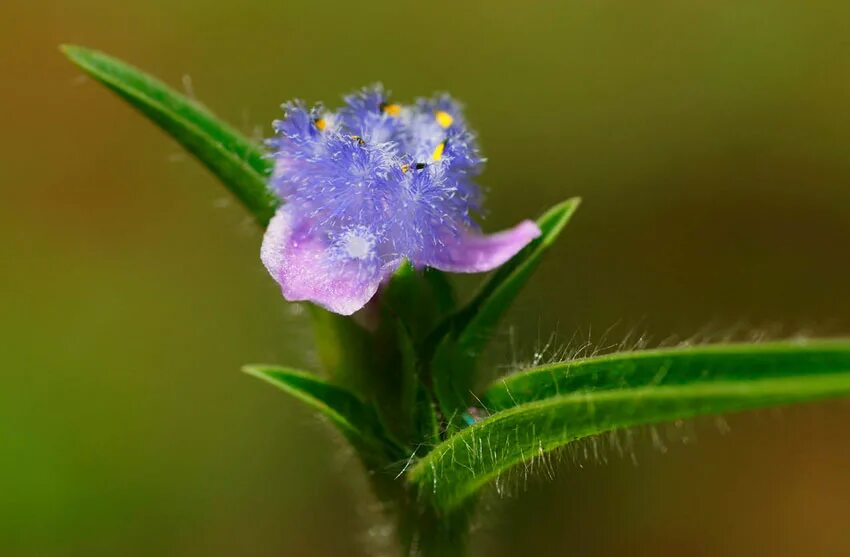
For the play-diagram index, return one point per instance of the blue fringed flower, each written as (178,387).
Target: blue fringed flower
(371,185)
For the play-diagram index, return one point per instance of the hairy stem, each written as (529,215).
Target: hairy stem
(423,532)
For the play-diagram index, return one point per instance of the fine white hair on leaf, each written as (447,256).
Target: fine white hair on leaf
(538,463)
(188,87)
(621,444)
(552,348)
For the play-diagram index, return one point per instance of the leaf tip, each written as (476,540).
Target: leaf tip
(84,58)
(253,369)
(556,218)
(71,51)
(568,206)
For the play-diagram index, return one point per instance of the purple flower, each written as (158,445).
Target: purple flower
(371,185)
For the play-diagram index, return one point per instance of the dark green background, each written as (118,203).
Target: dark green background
(710,143)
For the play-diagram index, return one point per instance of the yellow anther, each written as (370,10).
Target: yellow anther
(444,118)
(438,152)
(393,109)
(358,139)
(405,168)
(321,124)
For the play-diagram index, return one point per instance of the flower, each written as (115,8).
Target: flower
(371,185)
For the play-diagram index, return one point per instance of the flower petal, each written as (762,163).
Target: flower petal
(309,267)
(475,253)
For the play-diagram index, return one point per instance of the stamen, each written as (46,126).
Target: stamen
(438,152)
(358,139)
(444,118)
(419,165)
(405,168)
(391,109)
(321,123)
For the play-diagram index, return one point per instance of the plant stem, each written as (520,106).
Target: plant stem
(423,532)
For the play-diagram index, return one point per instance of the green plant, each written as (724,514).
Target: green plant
(404,390)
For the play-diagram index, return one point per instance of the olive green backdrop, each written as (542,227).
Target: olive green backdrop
(711,144)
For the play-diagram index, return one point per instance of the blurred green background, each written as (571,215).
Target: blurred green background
(709,141)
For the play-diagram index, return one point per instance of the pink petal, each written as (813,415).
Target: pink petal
(302,262)
(475,253)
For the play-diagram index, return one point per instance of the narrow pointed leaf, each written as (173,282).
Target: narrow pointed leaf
(669,366)
(460,340)
(475,323)
(238,162)
(726,379)
(356,420)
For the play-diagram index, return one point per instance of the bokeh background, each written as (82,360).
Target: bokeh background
(709,141)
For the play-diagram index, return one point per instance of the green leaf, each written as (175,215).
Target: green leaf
(395,379)
(380,365)
(407,309)
(420,298)
(356,420)
(461,339)
(669,366)
(238,162)
(441,290)
(475,323)
(345,349)
(597,395)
